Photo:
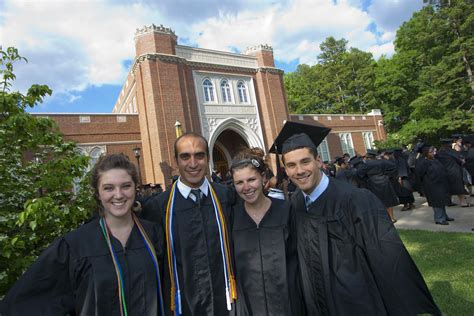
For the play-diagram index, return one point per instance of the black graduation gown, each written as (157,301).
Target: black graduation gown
(347,175)
(450,159)
(434,182)
(469,164)
(75,276)
(378,174)
(265,262)
(198,251)
(402,185)
(351,259)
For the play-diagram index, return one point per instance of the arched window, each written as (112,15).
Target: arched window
(208,90)
(95,154)
(242,89)
(226,93)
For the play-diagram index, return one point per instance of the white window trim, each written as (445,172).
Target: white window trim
(323,150)
(244,90)
(368,138)
(230,90)
(212,96)
(347,145)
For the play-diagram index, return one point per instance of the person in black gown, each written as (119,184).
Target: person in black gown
(434,183)
(345,172)
(378,174)
(78,274)
(452,162)
(405,188)
(264,254)
(351,259)
(198,278)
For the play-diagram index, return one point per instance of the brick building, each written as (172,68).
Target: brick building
(232,99)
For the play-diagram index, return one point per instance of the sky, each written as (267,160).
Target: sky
(83,49)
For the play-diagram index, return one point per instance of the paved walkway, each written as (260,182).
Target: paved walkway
(422,217)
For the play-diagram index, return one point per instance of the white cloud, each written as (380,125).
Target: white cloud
(384,49)
(73,44)
(390,14)
(295,30)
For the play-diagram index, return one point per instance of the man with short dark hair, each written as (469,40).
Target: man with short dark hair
(351,259)
(198,277)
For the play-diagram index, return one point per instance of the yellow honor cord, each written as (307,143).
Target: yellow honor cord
(168,245)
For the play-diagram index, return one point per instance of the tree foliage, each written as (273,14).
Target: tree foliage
(425,90)
(341,82)
(37,171)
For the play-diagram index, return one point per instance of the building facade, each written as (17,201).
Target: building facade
(233,100)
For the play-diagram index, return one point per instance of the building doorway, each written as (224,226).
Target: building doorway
(227,145)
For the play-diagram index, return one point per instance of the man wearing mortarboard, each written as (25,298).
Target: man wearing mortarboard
(351,259)
(452,161)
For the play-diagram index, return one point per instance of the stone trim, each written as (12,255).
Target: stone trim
(180,60)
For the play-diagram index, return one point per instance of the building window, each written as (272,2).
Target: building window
(226,92)
(208,90)
(368,139)
(242,89)
(346,143)
(95,154)
(323,150)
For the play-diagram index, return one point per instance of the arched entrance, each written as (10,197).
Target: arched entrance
(227,144)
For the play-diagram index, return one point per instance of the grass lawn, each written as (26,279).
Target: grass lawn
(446,261)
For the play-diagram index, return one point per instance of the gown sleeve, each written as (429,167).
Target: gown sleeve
(398,279)
(45,288)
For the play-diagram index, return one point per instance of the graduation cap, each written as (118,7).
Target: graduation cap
(354,161)
(446,140)
(457,136)
(296,135)
(339,160)
(372,152)
(388,151)
(423,146)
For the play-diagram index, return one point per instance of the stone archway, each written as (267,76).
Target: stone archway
(230,136)
(227,145)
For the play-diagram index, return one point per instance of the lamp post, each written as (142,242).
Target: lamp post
(137,153)
(179,130)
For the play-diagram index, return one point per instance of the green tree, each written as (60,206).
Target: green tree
(342,81)
(37,172)
(434,54)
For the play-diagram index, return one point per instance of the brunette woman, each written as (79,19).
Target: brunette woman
(109,266)
(264,254)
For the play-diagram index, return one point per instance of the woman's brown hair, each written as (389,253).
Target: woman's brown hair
(109,162)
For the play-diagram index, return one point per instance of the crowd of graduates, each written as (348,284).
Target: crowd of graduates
(308,240)
(394,174)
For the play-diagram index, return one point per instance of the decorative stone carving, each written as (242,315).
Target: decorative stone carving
(253,124)
(154,28)
(257,48)
(212,122)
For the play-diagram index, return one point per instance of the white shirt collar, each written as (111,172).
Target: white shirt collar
(185,190)
(319,189)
